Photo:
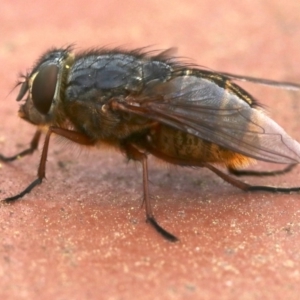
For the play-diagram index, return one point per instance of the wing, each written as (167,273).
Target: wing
(272,83)
(216,114)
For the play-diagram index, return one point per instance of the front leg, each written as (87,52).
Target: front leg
(74,136)
(33,146)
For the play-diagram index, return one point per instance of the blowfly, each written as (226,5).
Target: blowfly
(144,103)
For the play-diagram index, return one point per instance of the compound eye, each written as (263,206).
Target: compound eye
(43,88)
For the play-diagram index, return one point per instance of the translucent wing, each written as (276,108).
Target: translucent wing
(219,115)
(272,83)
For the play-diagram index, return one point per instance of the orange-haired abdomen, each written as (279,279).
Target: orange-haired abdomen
(180,145)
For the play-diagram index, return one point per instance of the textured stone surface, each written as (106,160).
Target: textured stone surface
(82,234)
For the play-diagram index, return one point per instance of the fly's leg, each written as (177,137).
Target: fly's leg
(247,187)
(33,146)
(133,153)
(40,175)
(69,134)
(149,213)
(262,173)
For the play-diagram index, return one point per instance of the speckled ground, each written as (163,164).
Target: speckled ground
(82,234)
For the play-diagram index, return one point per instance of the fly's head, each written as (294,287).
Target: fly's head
(44,87)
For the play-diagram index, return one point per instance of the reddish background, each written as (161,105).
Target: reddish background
(82,234)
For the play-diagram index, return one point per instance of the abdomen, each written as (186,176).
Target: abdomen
(184,146)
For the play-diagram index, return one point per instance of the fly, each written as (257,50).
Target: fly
(151,104)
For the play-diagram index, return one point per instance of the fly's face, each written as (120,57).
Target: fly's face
(44,87)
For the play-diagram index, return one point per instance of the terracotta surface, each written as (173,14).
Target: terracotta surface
(82,234)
